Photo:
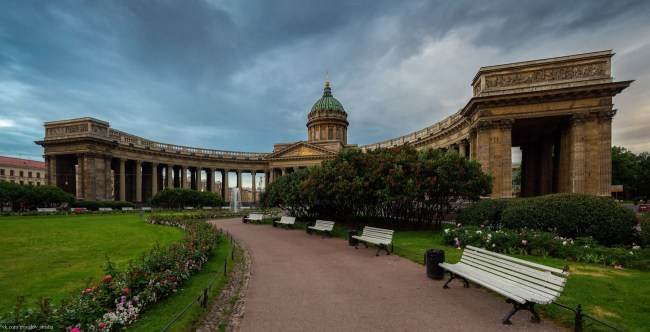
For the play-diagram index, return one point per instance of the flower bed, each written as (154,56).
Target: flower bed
(545,244)
(119,297)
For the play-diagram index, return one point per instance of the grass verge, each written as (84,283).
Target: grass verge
(51,256)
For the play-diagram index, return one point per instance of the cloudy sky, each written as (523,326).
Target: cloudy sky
(242,75)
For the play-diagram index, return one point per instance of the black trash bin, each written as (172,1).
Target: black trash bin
(431,258)
(243,219)
(352,241)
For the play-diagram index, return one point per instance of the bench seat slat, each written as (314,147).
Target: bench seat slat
(544,275)
(524,272)
(522,284)
(462,272)
(520,261)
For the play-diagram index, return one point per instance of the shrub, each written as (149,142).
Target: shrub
(180,197)
(545,244)
(484,212)
(572,216)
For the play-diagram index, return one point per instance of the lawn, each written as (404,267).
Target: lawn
(618,297)
(52,256)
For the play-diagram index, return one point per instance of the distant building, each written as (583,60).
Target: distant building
(22,171)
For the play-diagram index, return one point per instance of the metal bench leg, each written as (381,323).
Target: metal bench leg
(454,276)
(530,306)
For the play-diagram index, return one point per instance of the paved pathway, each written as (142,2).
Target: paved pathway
(305,283)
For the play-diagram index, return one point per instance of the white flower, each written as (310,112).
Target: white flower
(446,230)
(489,236)
(564,243)
(494,245)
(635,246)
(479,232)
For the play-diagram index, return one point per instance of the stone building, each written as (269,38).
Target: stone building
(558,111)
(22,171)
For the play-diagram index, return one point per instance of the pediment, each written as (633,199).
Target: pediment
(302,150)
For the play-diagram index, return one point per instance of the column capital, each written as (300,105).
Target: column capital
(606,116)
(506,124)
(577,118)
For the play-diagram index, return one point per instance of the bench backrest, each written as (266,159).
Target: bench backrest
(256,216)
(324,224)
(287,220)
(385,235)
(46,209)
(105,209)
(532,276)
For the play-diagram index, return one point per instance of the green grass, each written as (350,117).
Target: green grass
(157,317)
(618,297)
(52,256)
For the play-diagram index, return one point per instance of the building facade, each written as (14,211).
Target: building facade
(22,171)
(558,111)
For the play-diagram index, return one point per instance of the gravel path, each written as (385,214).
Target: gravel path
(305,283)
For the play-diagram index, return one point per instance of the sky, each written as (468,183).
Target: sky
(243,75)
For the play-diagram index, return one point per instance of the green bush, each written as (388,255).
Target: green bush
(180,197)
(572,216)
(484,212)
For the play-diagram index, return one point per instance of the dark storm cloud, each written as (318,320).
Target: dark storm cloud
(241,75)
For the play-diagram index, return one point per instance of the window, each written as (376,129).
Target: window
(11,172)
(29,174)
(38,175)
(38,184)
(21,173)
(22,183)
(2,171)
(330,134)
(338,134)
(322,133)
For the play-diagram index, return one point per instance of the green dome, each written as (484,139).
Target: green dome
(327,102)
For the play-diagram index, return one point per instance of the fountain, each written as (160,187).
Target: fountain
(235,200)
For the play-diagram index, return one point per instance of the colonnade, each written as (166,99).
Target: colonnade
(104,177)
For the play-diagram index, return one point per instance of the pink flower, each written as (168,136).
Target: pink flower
(458,225)
(75,329)
(457,241)
(106,278)
(87,291)
(102,325)
(524,242)
(619,266)
(126,290)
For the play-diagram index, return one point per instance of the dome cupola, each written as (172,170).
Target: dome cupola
(327,119)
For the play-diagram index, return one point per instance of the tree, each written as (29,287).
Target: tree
(625,170)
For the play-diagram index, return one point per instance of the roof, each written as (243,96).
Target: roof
(327,102)
(24,163)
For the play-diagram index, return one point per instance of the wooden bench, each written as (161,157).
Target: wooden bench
(377,236)
(256,217)
(322,226)
(523,283)
(288,221)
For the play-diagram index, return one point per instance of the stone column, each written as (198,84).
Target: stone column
(253,190)
(138,181)
(267,175)
(506,158)
(564,169)
(81,181)
(226,192)
(184,183)
(209,180)
(108,178)
(170,176)
(122,179)
(462,147)
(605,121)
(154,179)
(284,171)
(577,153)
(239,171)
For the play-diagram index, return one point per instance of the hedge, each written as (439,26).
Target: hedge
(567,215)
(574,215)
